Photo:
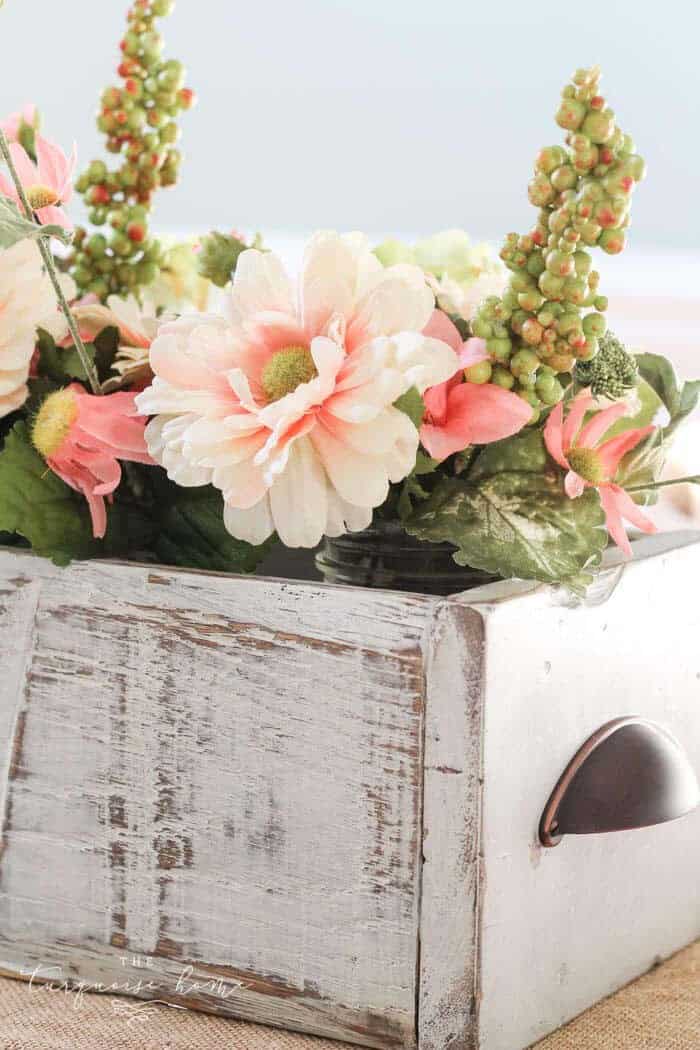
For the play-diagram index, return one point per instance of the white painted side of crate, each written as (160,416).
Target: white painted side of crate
(564,927)
(217,772)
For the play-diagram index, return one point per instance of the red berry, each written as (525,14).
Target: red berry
(136,232)
(597,102)
(186,97)
(606,156)
(121,117)
(131,86)
(99,195)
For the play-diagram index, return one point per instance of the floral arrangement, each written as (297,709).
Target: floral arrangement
(476,401)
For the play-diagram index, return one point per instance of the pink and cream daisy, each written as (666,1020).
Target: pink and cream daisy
(287,407)
(577,447)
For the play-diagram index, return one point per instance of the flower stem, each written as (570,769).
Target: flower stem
(693,479)
(45,251)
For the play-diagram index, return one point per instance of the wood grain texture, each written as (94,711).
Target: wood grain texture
(450,896)
(222,773)
(317,806)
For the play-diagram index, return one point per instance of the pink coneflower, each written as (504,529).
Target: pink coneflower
(47,184)
(83,437)
(459,414)
(589,464)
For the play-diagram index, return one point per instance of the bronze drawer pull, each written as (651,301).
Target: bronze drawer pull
(631,773)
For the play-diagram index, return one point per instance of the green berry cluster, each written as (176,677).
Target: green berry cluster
(551,314)
(218,257)
(611,373)
(139,119)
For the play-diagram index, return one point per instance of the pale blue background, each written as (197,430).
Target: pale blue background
(380,114)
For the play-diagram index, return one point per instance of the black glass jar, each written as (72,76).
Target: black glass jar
(386,556)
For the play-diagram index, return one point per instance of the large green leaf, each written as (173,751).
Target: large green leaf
(516,525)
(35,503)
(191,533)
(524,451)
(14,227)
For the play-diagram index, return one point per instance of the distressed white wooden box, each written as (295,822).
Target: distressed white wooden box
(317,807)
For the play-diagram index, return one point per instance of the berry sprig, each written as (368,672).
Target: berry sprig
(538,329)
(139,120)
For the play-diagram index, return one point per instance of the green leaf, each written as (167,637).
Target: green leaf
(524,451)
(425,464)
(104,348)
(516,525)
(644,464)
(60,365)
(680,400)
(192,533)
(412,404)
(35,503)
(14,227)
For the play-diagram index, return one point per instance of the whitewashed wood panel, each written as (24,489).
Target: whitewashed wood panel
(449,930)
(565,927)
(317,806)
(218,772)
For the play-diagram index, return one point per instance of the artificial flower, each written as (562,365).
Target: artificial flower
(460,273)
(576,447)
(82,437)
(137,324)
(27,116)
(460,413)
(288,407)
(27,302)
(47,184)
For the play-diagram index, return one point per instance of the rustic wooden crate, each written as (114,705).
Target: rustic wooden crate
(317,806)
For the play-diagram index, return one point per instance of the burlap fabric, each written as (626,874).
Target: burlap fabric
(661,1011)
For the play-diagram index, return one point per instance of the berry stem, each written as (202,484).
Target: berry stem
(45,252)
(693,479)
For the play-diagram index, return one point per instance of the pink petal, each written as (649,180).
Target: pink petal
(52,165)
(601,422)
(573,485)
(553,434)
(579,406)
(26,169)
(473,352)
(53,216)
(441,327)
(612,451)
(476,415)
(631,512)
(613,519)
(435,399)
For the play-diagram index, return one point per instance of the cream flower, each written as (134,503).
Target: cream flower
(137,324)
(287,406)
(460,273)
(27,302)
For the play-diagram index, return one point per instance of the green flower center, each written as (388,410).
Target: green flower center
(53,421)
(41,197)
(286,370)
(587,464)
